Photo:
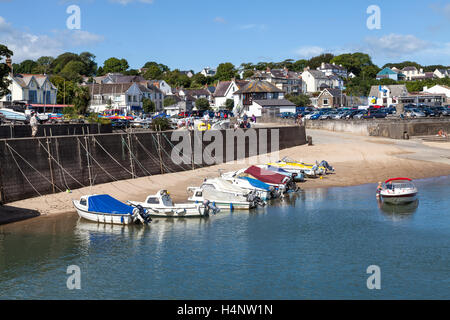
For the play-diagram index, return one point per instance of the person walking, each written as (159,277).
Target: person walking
(34,124)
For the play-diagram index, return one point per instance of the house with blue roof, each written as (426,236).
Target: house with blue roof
(388,73)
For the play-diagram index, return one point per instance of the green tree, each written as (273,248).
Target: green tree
(315,62)
(81,99)
(153,72)
(148,105)
(4,70)
(72,71)
(169,101)
(202,104)
(353,62)
(26,66)
(299,65)
(225,72)
(160,124)
(66,89)
(90,66)
(113,65)
(198,80)
(229,104)
(301,100)
(248,74)
(44,65)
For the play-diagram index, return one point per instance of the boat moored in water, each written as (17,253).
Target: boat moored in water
(398,191)
(105,209)
(161,205)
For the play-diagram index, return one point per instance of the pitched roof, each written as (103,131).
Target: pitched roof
(222,88)
(258,86)
(197,92)
(397,90)
(23,79)
(332,66)
(317,74)
(105,88)
(274,103)
(333,91)
(410,68)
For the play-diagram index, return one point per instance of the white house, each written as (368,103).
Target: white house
(316,80)
(126,97)
(225,90)
(270,107)
(441,73)
(387,95)
(333,69)
(438,89)
(288,81)
(163,86)
(32,88)
(208,72)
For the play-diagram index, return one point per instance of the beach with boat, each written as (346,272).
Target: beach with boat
(355,159)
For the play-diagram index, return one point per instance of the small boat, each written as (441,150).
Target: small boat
(398,191)
(322,167)
(263,190)
(221,200)
(105,209)
(161,205)
(223,185)
(272,178)
(296,176)
(293,167)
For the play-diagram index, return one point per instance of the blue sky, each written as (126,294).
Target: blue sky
(199,33)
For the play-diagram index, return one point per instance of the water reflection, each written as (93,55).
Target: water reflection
(398,212)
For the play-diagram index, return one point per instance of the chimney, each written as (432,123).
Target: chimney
(323,65)
(268,69)
(9,63)
(421,70)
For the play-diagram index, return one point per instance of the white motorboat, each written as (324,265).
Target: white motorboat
(221,200)
(105,209)
(261,189)
(161,205)
(223,185)
(398,191)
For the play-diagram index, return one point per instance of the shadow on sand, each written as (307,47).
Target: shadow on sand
(10,214)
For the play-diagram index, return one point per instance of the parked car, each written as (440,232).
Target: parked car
(440,111)
(314,116)
(372,114)
(414,113)
(429,112)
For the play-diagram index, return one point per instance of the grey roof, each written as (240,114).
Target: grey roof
(317,74)
(411,68)
(275,103)
(222,88)
(333,66)
(258,86)
(116,88)
(335,92)
(119,78)
(397,90)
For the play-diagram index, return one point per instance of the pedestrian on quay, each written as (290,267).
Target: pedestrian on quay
(34,124)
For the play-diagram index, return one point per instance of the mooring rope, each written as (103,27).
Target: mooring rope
(134,157)
(95,140)
(155,160)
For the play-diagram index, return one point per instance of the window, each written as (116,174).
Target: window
(325,102)
(153,200)
(83,202)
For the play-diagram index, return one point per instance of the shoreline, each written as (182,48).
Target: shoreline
(357,160)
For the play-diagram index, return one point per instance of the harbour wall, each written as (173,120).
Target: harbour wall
(31,167)
(23,131)
(388,128)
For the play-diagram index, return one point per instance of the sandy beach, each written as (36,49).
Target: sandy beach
(356,159)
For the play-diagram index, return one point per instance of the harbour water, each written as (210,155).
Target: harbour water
(317,244)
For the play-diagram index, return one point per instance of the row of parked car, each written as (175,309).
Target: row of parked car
(410,111)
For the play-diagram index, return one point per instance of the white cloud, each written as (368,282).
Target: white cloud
(309,51)
(395,45)
(219,20)
(27,45)
(253,26)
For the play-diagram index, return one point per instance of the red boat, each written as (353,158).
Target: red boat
(272,178)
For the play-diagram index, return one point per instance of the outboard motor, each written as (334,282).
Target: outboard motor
(291,185)
(274,192)
(210,207)
(140,215)
(253,198)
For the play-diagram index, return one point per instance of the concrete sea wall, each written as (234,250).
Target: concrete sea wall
(31,167)
(23,131)
(388,128)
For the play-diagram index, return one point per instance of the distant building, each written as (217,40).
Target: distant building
(271,107)
(190,74)
(31,88)
(439,89)
(225,90)
(316,80)
(331,98)
(388,73)
(252,91)
(418,98)
(288,81)
(208,72)
(333,69)
(441,73)
(412,73)
(163,86)
(185,103)
(386,95)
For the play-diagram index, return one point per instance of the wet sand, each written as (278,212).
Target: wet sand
(356,159)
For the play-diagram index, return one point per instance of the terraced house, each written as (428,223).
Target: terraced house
(31,88)
(288,81)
